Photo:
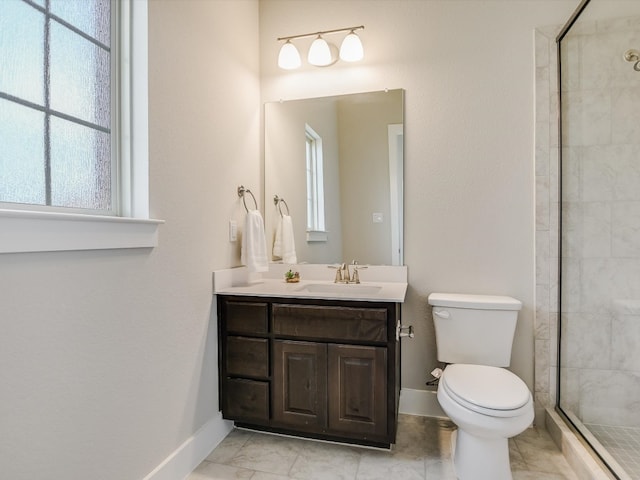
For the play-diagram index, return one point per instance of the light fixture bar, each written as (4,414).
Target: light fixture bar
(315,34)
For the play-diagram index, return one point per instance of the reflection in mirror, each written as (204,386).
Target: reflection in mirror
(338,164)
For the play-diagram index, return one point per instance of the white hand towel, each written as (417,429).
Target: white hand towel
(284,245)
(277,240)
(254,243)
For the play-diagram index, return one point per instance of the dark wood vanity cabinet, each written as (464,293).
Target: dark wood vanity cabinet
(299,384)
(318,368)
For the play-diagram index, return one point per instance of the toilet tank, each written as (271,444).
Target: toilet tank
(476,329)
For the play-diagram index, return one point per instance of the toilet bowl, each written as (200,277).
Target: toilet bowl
(488,404)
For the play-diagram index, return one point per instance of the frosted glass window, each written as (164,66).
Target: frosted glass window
(55,104)
(21,51)
(80,166)
(89,16)
(79,77)
(22,171)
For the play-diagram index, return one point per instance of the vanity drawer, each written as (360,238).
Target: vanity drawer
(328,322)
(246,399)
(247,317)
(247,356)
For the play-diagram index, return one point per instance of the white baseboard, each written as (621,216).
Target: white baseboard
(420,402)
(193,451)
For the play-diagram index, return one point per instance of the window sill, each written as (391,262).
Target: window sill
(26,231)
(317,236)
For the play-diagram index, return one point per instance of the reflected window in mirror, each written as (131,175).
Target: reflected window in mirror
(315,186)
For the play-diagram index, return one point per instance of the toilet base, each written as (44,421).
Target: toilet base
(477,458)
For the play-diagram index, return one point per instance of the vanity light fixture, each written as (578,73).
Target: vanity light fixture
(289,57)
(351,49)
(321,53)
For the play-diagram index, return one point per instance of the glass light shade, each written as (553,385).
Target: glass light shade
(351,49)
(319,53)
(289,57)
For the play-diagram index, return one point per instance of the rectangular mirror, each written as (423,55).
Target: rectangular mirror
(337,162)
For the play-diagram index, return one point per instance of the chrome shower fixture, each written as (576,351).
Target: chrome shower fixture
(633,56)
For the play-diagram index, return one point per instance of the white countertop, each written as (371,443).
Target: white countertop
(238,281)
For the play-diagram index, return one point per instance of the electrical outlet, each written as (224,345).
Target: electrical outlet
(377,217)
(233,231)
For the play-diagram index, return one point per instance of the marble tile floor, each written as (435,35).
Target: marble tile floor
(422,452)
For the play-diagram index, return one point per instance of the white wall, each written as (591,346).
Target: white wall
(108,359)
(468,71)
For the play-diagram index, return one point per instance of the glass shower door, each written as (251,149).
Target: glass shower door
(599,364)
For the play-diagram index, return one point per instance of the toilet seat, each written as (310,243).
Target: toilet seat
(491,391)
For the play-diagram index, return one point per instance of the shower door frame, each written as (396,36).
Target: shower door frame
(596,450)
(563,32)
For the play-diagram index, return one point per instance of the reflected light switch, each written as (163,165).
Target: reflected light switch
(233,231)
(377,217)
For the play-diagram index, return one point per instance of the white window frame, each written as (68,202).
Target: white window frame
(44,231)
(315,198)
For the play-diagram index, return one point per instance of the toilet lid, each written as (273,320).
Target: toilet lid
(485,389)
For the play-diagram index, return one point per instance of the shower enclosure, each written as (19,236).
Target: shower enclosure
(599,333)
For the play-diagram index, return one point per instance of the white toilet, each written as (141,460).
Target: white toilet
(489,404)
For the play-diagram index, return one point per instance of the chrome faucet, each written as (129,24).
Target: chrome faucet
(355,278)
(344,275)
(338,269)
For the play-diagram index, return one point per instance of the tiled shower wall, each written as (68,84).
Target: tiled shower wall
(601,212)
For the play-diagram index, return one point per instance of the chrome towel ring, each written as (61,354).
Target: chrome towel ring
(633,56)
(278,201)
(241,193)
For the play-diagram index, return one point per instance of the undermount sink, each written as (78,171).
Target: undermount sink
(346,288)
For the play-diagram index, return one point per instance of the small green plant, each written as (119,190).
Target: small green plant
(292,276)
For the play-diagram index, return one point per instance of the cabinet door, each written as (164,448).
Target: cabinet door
(300,383)
(358,389)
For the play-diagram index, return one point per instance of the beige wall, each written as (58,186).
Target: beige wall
(468,71)
(108,359)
